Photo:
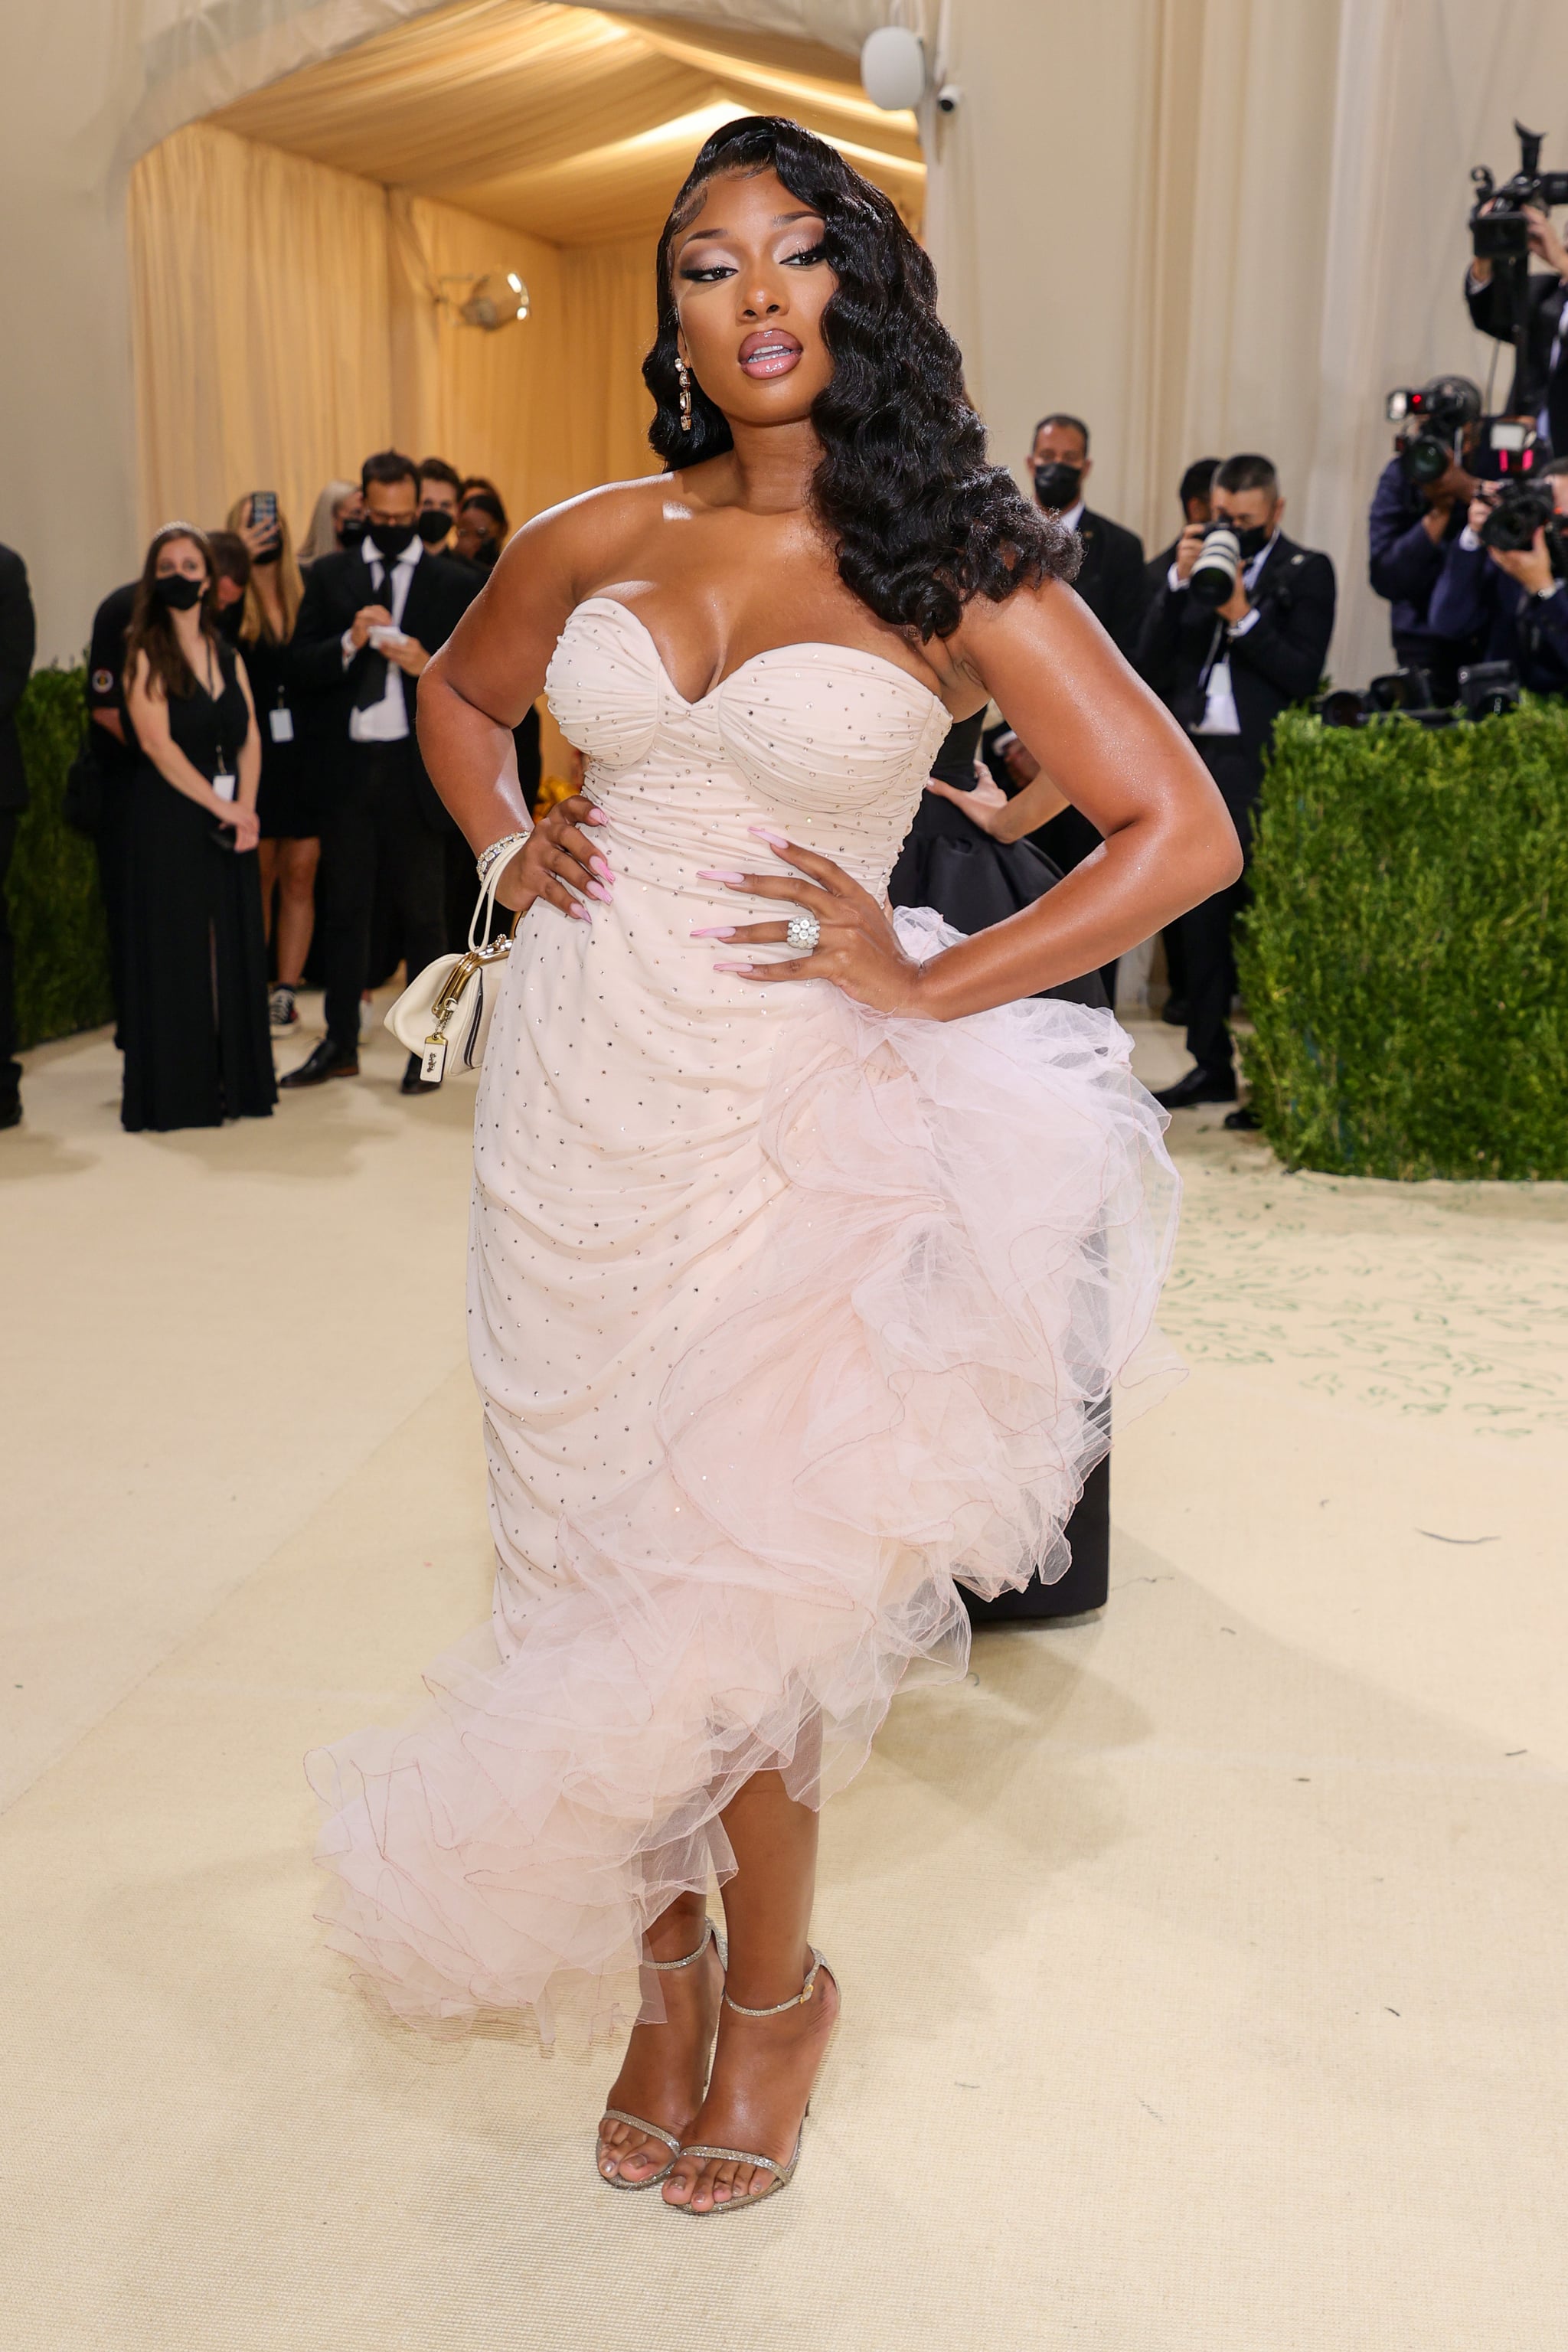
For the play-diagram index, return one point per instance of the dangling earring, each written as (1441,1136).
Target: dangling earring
(684,380)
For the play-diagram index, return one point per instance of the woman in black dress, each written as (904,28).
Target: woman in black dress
(195,1022)
(289,801)
(965,855)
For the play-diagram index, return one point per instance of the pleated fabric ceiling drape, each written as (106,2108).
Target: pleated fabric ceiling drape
(284,325)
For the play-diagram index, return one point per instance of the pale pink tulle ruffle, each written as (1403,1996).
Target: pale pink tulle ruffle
(957,1287)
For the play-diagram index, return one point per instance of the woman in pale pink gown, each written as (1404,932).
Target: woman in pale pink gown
(802,1268)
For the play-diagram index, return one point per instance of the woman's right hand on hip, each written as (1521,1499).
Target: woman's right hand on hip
(561,860)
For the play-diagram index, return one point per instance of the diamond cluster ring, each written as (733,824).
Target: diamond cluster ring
(802,930)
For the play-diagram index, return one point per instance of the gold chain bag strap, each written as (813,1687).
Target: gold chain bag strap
(450,1002)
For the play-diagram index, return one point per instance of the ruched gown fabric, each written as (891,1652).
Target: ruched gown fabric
(785,1315)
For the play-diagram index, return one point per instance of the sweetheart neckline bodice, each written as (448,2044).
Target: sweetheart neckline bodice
(766,652)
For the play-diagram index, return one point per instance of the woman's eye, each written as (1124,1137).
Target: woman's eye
(805,261)
(704,273)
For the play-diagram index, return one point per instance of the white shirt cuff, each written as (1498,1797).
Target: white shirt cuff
(1171,581)
(349,647)
(1239,628)
(1469,541)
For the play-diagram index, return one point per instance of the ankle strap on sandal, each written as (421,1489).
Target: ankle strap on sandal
(796,2000)
(665,1965)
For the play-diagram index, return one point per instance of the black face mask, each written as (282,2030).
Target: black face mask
(389,539)
(179,593)
(1253,540)
(270,553)
(433,525)
(1058,486)
(231,619)
(352,533)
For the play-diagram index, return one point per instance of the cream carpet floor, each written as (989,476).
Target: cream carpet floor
(1204,1962)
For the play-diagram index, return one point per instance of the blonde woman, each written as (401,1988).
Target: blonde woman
(337,521)
(288,807)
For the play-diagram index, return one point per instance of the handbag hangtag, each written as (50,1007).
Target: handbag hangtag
(433,1068)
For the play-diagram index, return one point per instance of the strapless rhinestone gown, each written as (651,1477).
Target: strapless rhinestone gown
(785,1315)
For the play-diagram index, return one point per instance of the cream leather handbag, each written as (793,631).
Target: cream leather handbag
(450,1002)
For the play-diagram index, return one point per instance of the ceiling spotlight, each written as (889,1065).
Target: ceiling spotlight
(496,298)
(893,67)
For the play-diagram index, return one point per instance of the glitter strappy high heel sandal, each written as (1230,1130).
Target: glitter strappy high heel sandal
(783,2173)
(640,2123)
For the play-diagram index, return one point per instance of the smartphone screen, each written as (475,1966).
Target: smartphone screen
(263,510)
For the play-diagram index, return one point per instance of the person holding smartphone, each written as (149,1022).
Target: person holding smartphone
(194,1022)
(368,626)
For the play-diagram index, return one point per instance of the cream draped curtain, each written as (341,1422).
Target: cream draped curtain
(283,327)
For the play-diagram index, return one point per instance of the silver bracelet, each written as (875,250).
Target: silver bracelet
(489,858)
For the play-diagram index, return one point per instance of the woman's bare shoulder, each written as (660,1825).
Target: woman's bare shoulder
(584,539)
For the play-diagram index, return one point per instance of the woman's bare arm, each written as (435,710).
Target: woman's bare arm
(150,717)
(482,681)
(989,808)
(1116,755)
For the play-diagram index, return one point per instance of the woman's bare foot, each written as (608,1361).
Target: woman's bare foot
(666,2066)
(763,2068)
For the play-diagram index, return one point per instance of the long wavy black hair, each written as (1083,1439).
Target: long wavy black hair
(920,521)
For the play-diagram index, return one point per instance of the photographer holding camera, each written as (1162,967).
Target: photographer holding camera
(1418,512)
(1502,578)
(1539,387)
(1510,226)
(1239,630)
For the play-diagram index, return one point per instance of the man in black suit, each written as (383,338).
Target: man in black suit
(1198,484)
(1227,673)
(370,620)
(1110,581)
(18,643)
(1111,575)
(1539,387)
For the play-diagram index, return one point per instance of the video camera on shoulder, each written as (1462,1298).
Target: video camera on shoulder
(1436,421)
(1440,424)
(1499,230)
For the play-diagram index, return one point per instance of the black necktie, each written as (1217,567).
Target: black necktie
(370,687)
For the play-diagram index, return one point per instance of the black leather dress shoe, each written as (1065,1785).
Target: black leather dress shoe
(1244,1121)
(1174,1010)
(1199,1086)
(329,1060)
(410,1083)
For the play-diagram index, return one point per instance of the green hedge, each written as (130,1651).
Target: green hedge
(1405,957)
(56,914)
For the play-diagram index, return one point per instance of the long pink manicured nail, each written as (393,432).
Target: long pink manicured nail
(582,913)
(595,816)
(715,932)
(600,866)
(733,967)
(597,890)
(715,876)
(778,840)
